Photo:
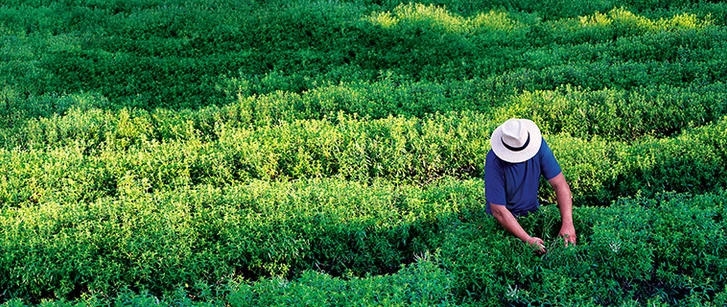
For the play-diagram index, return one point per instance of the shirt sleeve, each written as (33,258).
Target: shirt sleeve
(548,164)
(494,181)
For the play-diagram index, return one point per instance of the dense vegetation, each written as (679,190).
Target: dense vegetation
(247,153)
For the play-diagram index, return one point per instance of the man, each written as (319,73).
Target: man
(519,156)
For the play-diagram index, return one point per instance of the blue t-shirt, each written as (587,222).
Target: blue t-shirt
(515,185)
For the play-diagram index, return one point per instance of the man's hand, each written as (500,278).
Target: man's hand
(538,244)
(568,233)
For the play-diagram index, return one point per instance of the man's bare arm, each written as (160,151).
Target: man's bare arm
(565,204)
(508,221)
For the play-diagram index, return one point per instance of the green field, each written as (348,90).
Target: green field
(331,152)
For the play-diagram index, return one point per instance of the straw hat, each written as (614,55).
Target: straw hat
(516,140)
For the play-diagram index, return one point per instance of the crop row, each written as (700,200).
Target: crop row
(86,155)
(160,240)
(213,244)
(181,56)
(612,114)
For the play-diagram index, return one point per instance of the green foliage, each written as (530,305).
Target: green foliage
(422,283)
(235,153)
(85,155)
(636,249)
(159,240)
(180,55)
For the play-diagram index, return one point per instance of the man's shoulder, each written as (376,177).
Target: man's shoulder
(491,154)
(492,160)
(544,150)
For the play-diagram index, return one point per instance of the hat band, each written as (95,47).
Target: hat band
(516,149)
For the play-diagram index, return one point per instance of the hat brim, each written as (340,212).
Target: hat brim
(510,156)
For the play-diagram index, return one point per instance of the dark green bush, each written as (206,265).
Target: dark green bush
(176,55)
(157,241)
(422,283)
(634,250)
